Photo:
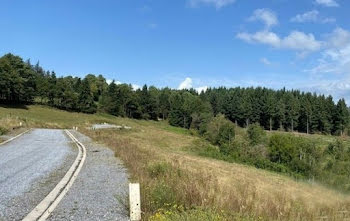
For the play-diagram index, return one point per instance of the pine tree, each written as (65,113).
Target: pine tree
(270,108)
(341,117)
(176,110)
(86,101)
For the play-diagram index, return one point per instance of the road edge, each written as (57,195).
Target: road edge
(43,210)
(11,139)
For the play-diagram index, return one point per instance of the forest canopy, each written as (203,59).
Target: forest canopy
(289,110)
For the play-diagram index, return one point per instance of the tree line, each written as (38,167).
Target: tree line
(289,110)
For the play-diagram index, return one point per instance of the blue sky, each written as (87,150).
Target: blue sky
(302,44)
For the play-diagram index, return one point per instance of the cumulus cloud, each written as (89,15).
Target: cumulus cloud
(306,17)
(109,81)
(216,3)
(186,84)
(263,37)
(296,40)
(336,56)
(337,88)
(327,3)
(135,86)
(339,38)
(268,17)
(300,41)
(201,89)
(328,20)
(311,16)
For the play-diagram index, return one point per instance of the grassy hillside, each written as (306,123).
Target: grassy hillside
(177,184)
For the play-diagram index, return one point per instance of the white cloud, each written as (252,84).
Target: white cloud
(306,17)
(335,59)
(186,84)
(268,17)
(300,41)
(201,89)
(109,81)
(311,16)
(327,3)
(263,37)
(328,20)
(216,3)
(296,40)
(135,86)
(265,61)
(339,38)
(337,88)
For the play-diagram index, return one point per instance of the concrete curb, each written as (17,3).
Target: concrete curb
(43,210)
(11,139)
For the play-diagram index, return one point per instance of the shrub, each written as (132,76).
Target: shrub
(337,149)
(256,134)
(221,131)
(281,148)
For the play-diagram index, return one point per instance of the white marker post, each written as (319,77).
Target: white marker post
(135,201)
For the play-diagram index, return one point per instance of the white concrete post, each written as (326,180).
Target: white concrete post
(135,201)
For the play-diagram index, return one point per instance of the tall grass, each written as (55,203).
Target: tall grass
(178,185)
(173,189)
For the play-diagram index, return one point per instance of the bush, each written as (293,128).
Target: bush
(221,131)
(281,148)
(337,149)
(299,154)
(256,134)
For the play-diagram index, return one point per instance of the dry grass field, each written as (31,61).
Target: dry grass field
(179,185)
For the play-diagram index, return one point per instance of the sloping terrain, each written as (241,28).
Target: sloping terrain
(175,179)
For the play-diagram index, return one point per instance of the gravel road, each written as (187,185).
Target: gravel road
(31,166)
(100,189)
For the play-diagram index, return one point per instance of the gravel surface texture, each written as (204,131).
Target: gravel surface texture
(105,126)
(100,190)
(31,166)
(12,134)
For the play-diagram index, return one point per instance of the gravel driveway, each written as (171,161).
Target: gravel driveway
(31,166)
(100,189)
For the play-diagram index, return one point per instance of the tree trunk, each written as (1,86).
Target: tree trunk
(247,122)
(292,126)
(307,125)
(270,124)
